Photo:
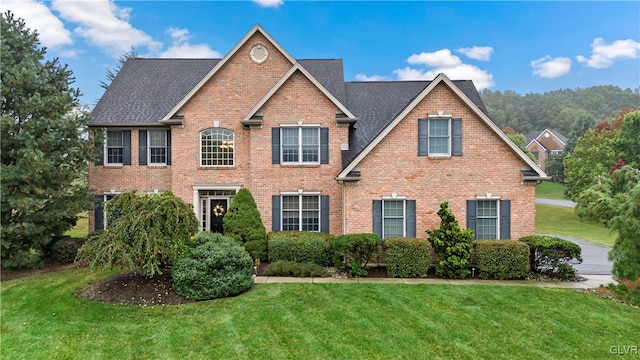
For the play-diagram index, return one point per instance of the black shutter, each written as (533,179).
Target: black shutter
(411,218)
(168,147)
(98,214)
(472,216)
(324,214)
(275,145)
(126,147)
(456,137)
(100,156)
(324,145)
(142,147)
(275,212)
(423,137)
(377,218)
(505,219)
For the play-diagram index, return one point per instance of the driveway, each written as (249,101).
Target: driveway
(563,203)
(594,257)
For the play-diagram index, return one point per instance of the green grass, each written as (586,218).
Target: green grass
(42,319)
(564,221)
(550,190)
(81,230)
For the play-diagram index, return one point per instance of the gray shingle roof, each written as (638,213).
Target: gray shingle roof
(378,103)
(329,72)
(145,90)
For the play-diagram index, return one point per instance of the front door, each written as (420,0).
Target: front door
(218,209)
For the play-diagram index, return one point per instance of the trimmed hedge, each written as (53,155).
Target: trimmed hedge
(552,255)
(290,268)
(214,269)
(354,251)
(501,259)
(299,246)
(407,257)
(65,250)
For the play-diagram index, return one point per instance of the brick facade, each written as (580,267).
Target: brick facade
(488,165)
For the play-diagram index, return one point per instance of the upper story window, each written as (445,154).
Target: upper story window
(115,147)
(440,137)
(300,145)
(216,147)
(157,147)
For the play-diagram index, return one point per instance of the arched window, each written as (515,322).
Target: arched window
(216,147)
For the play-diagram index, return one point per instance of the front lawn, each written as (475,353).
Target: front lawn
(564,221)
(550,190)
(42,319)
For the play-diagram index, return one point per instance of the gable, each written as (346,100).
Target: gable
(441,80)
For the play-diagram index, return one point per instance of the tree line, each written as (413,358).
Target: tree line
(558,109)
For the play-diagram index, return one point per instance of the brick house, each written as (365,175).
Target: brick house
(316,152)
(545,143)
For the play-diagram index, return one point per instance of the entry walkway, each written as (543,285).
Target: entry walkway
(591,282)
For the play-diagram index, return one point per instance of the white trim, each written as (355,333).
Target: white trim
(449,137)
(221,63)
(203,187)
(497,201)
(404,213)
(442,78)
(300,195)
(166,141)
(278,85)
(487,196)
(300,147)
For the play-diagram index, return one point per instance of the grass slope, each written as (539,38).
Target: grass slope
(563,221)
(550,190)
(42,319)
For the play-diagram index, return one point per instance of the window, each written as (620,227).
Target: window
(115,147)
(216,147)
(305,207)
(487,219)
(440,137)
(393,218)
(536,154)
(158,147)
(556,152)
(301,145)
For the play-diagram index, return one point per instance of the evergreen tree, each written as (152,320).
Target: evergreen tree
(453,245)
(243,223)
(43,148)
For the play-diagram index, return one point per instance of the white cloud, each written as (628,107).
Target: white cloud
(104,25)
(37,16)
(442,61)
(269,3)
(440,58)
(603,55)
(550,68)
(181,48)
(363,77)
(482,53)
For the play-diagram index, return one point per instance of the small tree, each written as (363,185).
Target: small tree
(243,223)
(452,244)
(145,232)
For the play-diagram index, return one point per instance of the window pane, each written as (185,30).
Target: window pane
(157,138)
(114,139)
(393,222)
(487,219)
(439,136)
(438,145)
(217,147)
(487,208)
(438,127)
(393,208)
(393,228)
(290,213)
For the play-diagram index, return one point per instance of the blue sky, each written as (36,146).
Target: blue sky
(521,46)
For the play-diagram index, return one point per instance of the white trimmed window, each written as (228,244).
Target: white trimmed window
(393,218)
(439,137)
(301,212)
(216,147)
(157,147)
(487,219)
(300,145)
(115,147)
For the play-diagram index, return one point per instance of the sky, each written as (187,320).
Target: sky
(526,47)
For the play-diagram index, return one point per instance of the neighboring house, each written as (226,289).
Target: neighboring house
(316,152)
(544,144)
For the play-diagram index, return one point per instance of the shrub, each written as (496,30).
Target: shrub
(501,259)
(214,269)
(208,236)
(552,255)
(354,251)
(407,257)
(299,246)
(65,250)
(146,232)
(290,268)
(243,223)
(452,245)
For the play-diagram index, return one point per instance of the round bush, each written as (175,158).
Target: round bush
(214,269)
(66,249)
